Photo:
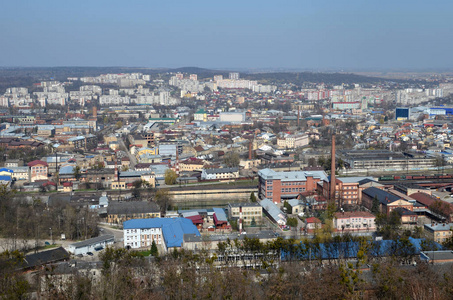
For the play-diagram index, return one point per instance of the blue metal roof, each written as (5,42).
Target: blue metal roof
(5,178)
(6,170)
(66,170)
(350,249)
(173,230)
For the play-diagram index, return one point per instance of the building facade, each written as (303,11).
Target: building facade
(37,170)
(250,212)
(438,232)
(354,221)
(287,185)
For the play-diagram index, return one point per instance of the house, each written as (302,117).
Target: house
(354,221)
(37,170)
(312,223)
(297,206)
(67,186)
(191,164)
(220,173)
(438,232)
(167,232)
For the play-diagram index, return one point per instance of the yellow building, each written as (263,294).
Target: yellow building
(438,232)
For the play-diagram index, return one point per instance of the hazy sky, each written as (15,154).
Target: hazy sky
(317,34)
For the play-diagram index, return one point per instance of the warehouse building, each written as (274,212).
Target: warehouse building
(91,245)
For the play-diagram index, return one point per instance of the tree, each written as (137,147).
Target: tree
(154,251)
(252,197)
(231,159)
(119,124)
(253,223)
(163,199)
(77,173)
(312,162)
(288,207)
(170,177)
(375,208)
(291,222)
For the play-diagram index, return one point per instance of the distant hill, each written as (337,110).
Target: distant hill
(13,77)
(299,78)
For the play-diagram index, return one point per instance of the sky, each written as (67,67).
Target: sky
(247,34)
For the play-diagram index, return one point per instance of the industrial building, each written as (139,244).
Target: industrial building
(385,160)
(287,185)
(91,245)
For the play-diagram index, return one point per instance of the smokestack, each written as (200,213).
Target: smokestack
(250,150)
(95,112)
(332,171)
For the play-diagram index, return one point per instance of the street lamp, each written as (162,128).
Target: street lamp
(51,239)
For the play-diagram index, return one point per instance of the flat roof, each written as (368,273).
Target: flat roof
(95,240)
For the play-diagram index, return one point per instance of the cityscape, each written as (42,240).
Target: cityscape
(235,163)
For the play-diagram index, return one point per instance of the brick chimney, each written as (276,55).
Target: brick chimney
(332,171)
(250,150)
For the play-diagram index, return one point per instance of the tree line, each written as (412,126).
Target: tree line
(181,274)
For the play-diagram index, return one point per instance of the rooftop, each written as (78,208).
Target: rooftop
(292,175)
(95,240)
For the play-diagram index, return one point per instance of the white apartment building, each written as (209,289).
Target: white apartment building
(293,141)
(113,100)
(142,237)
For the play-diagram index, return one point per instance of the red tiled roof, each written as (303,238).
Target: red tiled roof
(312,220)
(423,198)
(37,162)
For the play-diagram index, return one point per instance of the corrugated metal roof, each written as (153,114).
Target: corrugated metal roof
(173,229)
(273,211)
(94,240)
(220,214)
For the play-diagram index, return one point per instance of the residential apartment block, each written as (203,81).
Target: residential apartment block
(250,211)
(354,221)
(438,232)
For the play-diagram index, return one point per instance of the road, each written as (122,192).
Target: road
(131,157)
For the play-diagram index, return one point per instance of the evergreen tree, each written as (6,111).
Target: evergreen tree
(375,208)
(154,251)
(252,197)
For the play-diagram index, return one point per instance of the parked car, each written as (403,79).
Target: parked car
(90,253)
